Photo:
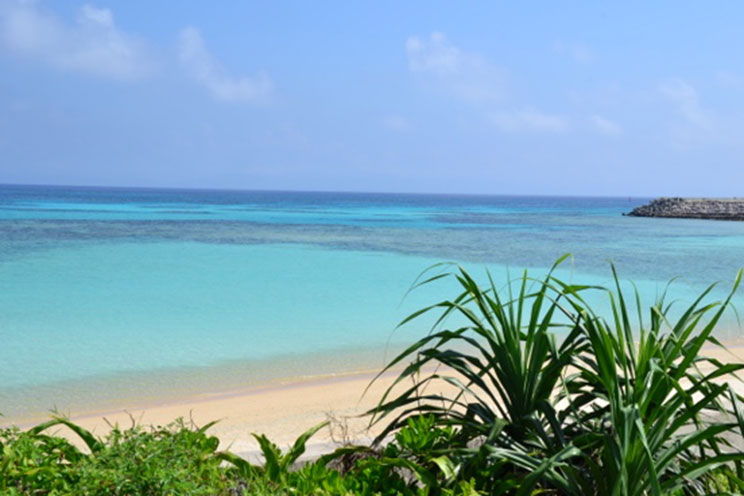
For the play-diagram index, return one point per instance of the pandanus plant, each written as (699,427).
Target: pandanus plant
(553,396)
(649,411)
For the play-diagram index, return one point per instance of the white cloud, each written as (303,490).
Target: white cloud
(697,124)
(92,44)
(103,17)
(437,55)
(606,126)
(212,75)
(529,120)
(686,99)
(396,123)
(578,52)
(467,75)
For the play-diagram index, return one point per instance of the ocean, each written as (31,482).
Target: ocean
(110,296)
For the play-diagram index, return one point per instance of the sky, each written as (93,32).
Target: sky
(628,98)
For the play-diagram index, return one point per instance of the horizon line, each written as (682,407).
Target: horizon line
(347,192)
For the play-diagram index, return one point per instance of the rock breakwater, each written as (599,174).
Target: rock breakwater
(693,208)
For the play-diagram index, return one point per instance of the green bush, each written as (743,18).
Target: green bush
(163,460)
(35,463)
(619,405)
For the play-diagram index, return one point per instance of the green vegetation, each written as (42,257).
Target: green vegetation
(545,396)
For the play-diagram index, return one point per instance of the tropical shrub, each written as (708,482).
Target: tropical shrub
(31,461)
(161,460)
(550,396)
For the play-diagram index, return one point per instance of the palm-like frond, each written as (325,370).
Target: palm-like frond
(575,401)
(652,413)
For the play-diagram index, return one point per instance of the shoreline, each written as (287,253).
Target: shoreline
(282,410)
(208,396)
(158,387)
(143,390)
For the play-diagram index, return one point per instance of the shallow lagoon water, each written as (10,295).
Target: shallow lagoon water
(109,293)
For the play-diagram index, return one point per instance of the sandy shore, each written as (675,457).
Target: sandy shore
(283,411)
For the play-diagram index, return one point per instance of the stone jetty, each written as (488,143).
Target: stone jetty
(693,208)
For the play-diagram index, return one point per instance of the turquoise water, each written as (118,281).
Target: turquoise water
(110,294)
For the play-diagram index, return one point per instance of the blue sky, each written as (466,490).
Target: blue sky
(575,98)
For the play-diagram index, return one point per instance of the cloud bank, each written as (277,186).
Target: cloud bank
(685,97)
(606,126)
(210,73)
(92,44)
(528,120)
(467,75)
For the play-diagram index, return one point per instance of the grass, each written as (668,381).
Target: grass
(548,397)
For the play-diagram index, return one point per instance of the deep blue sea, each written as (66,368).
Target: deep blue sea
(113,295)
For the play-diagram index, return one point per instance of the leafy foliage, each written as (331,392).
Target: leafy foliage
(162,460)
(618,406)
(30,461)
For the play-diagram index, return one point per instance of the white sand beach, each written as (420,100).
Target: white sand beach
(284,411)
